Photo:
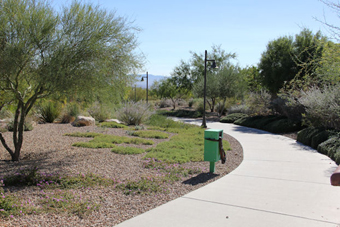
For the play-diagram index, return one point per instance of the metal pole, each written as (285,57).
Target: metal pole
(204,124)
(147,86)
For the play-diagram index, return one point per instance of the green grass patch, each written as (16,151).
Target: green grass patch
(150,134)
(83,134)
(113,125)
(107,141)
(127,150)
(186,146)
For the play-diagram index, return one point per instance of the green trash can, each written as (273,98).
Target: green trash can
(211,146)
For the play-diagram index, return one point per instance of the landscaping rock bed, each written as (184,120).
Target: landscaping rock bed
(47,148)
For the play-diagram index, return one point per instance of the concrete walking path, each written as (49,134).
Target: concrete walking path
(279,183)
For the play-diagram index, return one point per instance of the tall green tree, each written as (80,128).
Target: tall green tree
(168,88)
(79,50)
(288,58)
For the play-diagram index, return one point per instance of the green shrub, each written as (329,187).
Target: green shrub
(283,126)
(322,106)
(306,135)
(331,148)
(112,125)
(231,118)
(70,112)
(248,121)
(321,137)
(127,150)
(134,113)
(150,134)
(242,108)
(258,102)
(164,122)
(27,126)
(182,113)
(49,111)
(191,103)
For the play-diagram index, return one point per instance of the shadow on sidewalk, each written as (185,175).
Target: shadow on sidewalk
(200,178)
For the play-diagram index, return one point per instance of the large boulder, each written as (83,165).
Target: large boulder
(84,121)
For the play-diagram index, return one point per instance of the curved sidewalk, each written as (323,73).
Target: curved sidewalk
(279,183)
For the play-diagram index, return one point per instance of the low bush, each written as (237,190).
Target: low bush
(49,111)
(165,103)
(98,112)
(283,126)
(112,124)
(134,113)
(149,134)
(231,118)
(321,137)
(331,148)
(242,108)
(306,135)
(27,126)
(182,113)
(127,150)
(322,106)
(69,113)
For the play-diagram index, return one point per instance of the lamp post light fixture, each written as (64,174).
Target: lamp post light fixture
(147,84)
(213,66)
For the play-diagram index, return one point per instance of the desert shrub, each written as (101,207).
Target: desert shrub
(321,137)
(182,113)
(200,106)
(284,125)
(305,136)
(322,106)
(258,102)
(287,105)
(98,112)
(191,103)
(27,126)
(331,148)
(4,113)
(165,103)
(231,118)
(69,113)
(181,102)
(134,113)
(242,108)
(220,109)
(49,111)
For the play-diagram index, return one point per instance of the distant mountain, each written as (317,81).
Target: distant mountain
(152,79)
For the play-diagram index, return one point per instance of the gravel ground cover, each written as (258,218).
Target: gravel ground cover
(47,148)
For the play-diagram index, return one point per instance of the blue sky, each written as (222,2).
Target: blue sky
(171,29)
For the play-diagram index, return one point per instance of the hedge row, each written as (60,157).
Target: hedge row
(271,123)
(325,141)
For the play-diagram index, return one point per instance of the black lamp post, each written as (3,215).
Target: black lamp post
(147,78)
(213,66)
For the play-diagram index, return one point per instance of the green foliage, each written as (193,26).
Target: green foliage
(270,123)
(104,141)
(306,135)
(145,185)
(13,206)
(127,150)
(164,122)
(182,113)
(331,148)
(49,111)
(150,134)
(322,106)
(133,113)
(231,118)
(187,146)
(27,126)
(258,102)
(99,112)
(46,52)
(83,134)
(287,58)
(112,125)
(321,137)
